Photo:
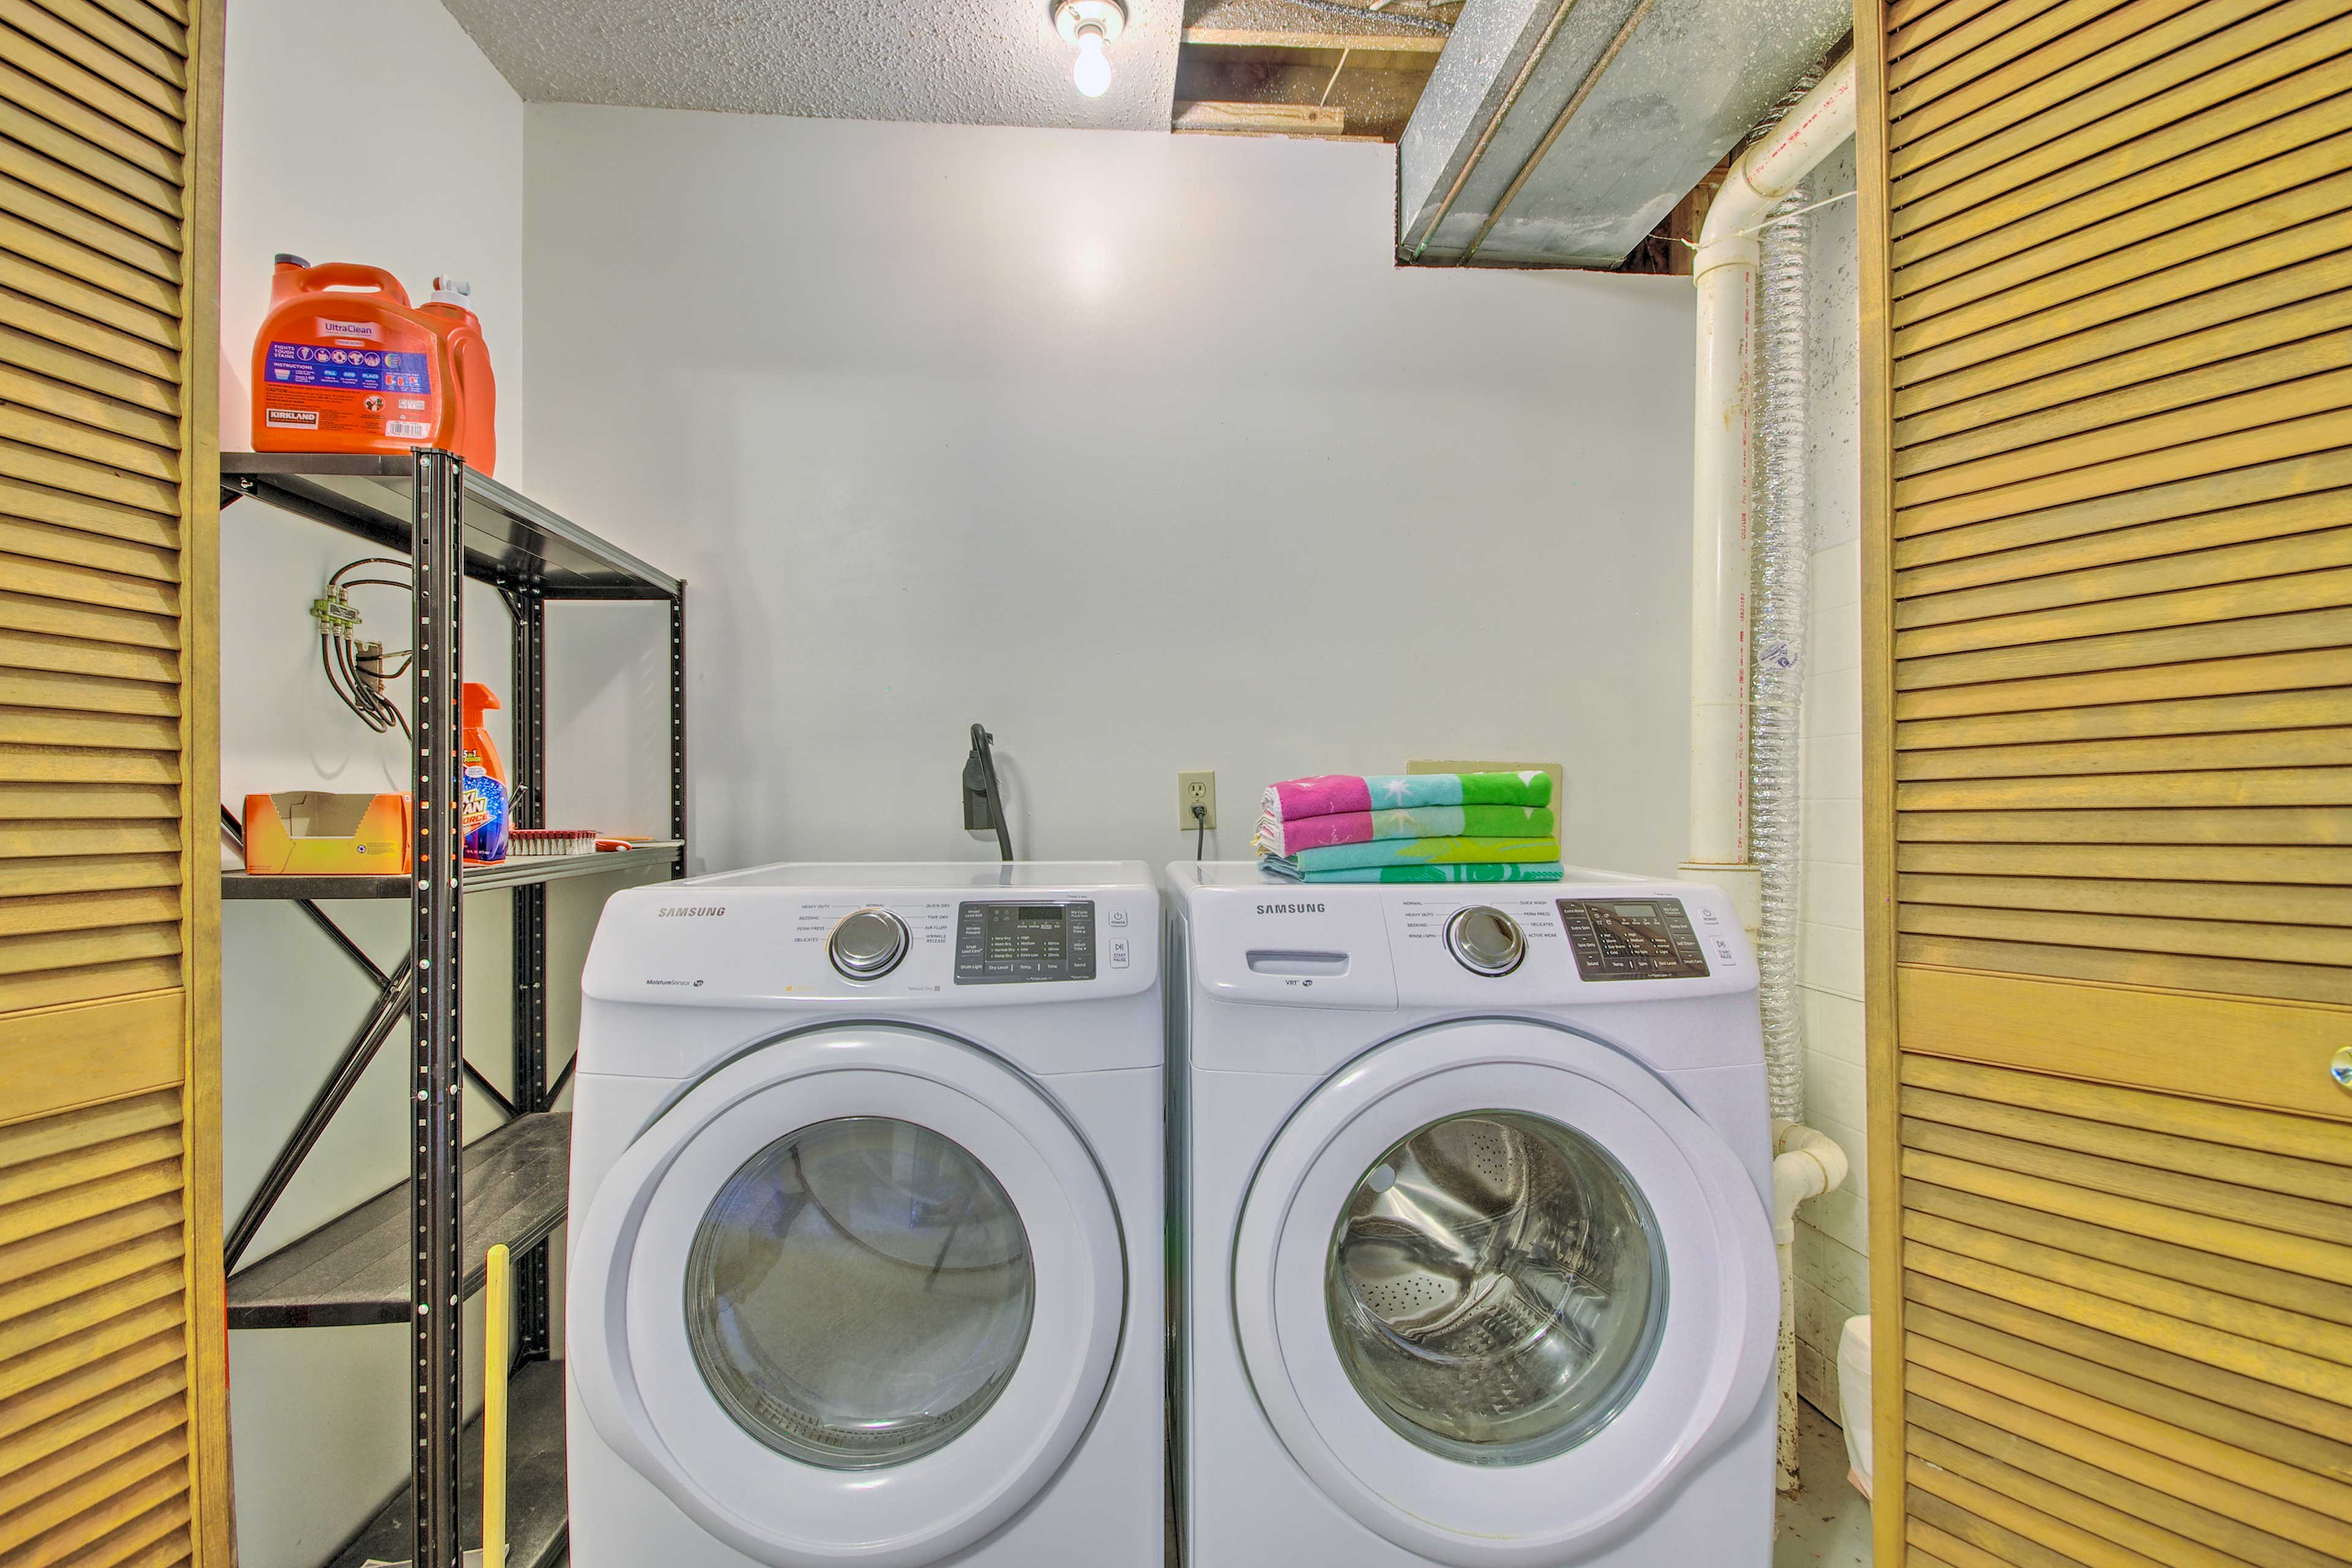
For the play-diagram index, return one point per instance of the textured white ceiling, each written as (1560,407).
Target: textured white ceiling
(969,62)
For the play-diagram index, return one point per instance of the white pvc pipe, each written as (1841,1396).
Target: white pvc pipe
(1724,273)
(1805,1165)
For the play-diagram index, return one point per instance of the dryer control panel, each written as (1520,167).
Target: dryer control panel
(1632,938)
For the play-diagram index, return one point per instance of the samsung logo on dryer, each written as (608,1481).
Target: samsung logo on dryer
(1290,909)
(692,911)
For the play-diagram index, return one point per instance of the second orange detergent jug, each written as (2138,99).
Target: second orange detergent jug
(345,363)
(469,382)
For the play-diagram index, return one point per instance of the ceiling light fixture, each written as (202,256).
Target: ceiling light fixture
(1088,27)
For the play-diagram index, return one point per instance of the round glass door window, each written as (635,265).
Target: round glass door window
(1497,1288)
(859,1293)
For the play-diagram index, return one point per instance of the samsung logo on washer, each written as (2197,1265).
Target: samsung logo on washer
(696,911)
(1290,909)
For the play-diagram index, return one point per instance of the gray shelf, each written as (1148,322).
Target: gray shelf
(354,1270)
(537,1522)
(508,537)
(519,872)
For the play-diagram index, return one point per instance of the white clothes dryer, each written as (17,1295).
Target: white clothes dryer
(866,1262)
(1478,1270)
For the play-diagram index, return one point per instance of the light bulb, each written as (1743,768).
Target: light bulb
(1092,73)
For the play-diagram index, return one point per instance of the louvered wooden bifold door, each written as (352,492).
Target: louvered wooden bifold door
(2107,360)
(112,1425)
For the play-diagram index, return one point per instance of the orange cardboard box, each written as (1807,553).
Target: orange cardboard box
(318,833)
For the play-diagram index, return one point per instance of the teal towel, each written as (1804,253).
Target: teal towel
(1460,871)
(1421,852)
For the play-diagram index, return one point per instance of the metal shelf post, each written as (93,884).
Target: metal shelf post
(529,767)
(437,1271)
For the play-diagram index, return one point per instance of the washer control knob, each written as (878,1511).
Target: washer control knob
(1485,941)
(869,944)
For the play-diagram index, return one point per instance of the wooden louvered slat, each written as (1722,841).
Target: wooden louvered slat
(2122,381)
(135,46)
(2277,709)
(47,433)
(25,1143)
(80,950)
(2048,1215)
(2297,905)
(38,97)
(19,651)
(101,285)
(92,1507)
(2290,826)
(73,547)
(2174,571)
(120,1443)
(2128,311)
(2136,402)
(88,911)
(35,876)
(26,802)
(82,586)
(27,1381)
(2008,24)
(94,1238)
(84,208)
(56,764)
(2266,405)
(2158,753)
(2173,1115)
(47,727)
(64,1281)
(155,1539)
(2069,255)
(2009,1531)
(89,158)
(2282,1501)
(86,623)
(128,404)
(2134,1517)
(86,409)
(2187,863)
(29,1335)
(2167,971)
(61,287)
(2125,1144)
(1962,373)
(94,233)
(2017,202)
(88,694)
(2193,458)
(2146,1399)
(2145,542)
(2161,681)
(65,327)
(72,1407)
(2128,59)
(39,21)
(89,1200)
(127,1136)
(2086,654)
(90,88)
(1911,24)
(167,26)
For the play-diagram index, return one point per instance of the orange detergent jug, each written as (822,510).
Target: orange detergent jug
(345,363)
(467,355)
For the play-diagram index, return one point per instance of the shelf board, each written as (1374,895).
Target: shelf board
(538,1525)
(515,871)
(353,1270)
(508,537)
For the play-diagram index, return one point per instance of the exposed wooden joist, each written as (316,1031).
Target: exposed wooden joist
(1261,119)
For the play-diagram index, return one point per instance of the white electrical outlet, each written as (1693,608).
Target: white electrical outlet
(1191,790)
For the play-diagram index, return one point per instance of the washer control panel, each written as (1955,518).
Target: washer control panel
(1632,938)
(1027,942)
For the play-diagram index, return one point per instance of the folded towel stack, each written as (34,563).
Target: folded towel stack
(1410,828)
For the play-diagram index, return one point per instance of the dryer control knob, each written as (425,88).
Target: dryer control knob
(869,944)
(1485,941)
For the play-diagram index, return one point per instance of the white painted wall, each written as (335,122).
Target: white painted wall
(1834,1232)
(1137,447)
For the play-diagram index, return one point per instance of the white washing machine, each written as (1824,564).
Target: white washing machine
(1478,1267)
(866,1258)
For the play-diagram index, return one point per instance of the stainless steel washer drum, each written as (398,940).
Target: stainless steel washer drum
(1497,1288)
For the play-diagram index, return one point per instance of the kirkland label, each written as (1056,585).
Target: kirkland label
(294,418)
(355,369)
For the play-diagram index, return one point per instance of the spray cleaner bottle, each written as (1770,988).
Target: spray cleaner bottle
(485,801)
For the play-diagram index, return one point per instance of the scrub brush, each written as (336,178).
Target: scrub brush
(546,843)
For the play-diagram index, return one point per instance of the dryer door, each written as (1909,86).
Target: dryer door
(1497,1289)
(854,1297)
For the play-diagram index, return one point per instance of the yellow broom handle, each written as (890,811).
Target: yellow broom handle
(497,1328)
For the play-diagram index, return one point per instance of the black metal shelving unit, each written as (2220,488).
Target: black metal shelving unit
(414,1252)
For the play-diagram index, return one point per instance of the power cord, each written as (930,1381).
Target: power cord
(980,779)
(1200,830)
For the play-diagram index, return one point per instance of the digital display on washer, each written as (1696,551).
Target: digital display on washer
(1632,938)
(1014,944)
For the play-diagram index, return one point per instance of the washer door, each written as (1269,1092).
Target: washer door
(1497,1289)
(854,1298)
